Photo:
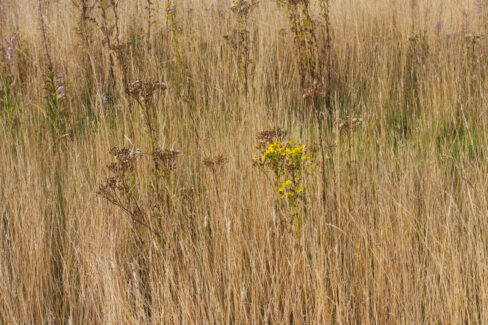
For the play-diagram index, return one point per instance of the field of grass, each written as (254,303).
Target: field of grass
(152,167)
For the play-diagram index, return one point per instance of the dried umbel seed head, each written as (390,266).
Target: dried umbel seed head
(215,162)
(144,90)
(348,125)
(167,157)
(269,136)
(112,186)
(125,160)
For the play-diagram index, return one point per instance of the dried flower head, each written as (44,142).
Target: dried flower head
(348,125)
(269,136)
(116,187)
(125,160)
(215,162)
(143,90)
(167,158)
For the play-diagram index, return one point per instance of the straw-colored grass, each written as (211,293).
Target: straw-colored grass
(394,231)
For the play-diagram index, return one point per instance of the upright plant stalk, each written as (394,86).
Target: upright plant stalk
(242,9)
(326,97)
(85,8)
(119,189)
(56,112)
(149,23)
(288,162)
(244,60)
(174,28)
(107,30)
(57,118)
(42,25)
(314,74)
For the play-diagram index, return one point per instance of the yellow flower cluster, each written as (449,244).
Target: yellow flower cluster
(284,186)
(286,160)
(288,190)
(277,150)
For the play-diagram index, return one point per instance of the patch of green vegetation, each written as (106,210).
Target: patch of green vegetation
(459,140)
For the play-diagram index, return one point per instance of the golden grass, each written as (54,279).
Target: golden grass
(400,238)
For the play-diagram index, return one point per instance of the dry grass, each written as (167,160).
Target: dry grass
(399,236)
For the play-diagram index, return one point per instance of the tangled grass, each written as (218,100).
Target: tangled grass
(369,204)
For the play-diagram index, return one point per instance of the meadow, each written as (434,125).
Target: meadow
(205,161)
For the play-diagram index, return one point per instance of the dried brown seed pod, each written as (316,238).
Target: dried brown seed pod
(271,135)
(144,90)
(214,162)
(167,157)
